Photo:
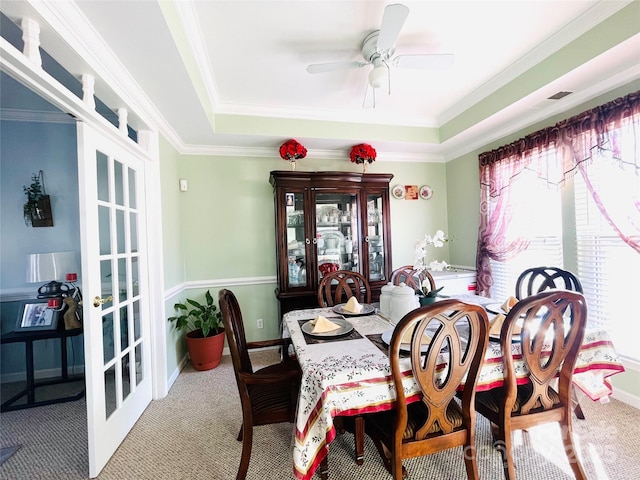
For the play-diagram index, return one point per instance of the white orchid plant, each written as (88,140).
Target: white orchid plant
(438,240)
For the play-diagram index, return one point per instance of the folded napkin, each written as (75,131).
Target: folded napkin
(353,306)
(495,326)
(406,336)
(508,304)
(323,325)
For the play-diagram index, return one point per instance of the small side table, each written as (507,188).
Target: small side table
(28,338)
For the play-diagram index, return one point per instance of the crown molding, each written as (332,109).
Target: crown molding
(560,39)
(316,154)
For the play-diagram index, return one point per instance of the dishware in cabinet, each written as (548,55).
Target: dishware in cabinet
(327,221)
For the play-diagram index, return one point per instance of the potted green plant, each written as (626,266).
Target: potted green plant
(427,296)
(204,332)
(34,193)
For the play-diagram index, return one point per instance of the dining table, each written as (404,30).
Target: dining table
(350,374)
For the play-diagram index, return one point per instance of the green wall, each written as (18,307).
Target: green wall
(221,233)
(173,260)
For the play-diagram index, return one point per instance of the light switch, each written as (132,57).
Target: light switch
(184,186)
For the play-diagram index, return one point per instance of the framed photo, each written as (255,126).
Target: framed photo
(33,315)
(289,199)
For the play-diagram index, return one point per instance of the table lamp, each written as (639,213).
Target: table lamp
(52,268)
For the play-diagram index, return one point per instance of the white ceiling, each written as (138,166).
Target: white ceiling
(222,73)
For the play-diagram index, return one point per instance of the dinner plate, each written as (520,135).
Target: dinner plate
(405,347)
(514,339)
(345,328)
(366,310)
(494,308)
(497,308)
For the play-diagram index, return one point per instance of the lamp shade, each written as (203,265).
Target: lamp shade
(378,76)
(45,267)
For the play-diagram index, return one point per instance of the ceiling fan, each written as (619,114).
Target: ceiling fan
(378,48)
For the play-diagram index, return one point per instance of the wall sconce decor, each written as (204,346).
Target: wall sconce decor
(37,208)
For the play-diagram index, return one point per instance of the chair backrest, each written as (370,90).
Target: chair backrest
(234,328)
(412,277)
(552,327)
(538,279)
(459,332)
(337,287)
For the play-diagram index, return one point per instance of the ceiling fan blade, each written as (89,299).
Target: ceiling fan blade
(424,61)
(332,67)
(392,22)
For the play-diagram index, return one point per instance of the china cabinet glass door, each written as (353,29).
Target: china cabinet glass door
(297,240)
(336,233)
(374,237)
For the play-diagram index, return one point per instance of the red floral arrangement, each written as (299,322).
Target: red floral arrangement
(292,150)
(363,153)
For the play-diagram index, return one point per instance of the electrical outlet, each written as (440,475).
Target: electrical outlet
(260,323)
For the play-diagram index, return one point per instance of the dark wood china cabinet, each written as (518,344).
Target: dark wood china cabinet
(328,221)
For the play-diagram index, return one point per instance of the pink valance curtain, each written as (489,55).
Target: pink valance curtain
(610,132)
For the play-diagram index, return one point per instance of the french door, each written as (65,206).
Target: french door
(111,178)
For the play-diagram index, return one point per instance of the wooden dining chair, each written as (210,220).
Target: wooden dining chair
(412,277)
(538,279)
(268,395)
(436,421)
(552,330)
(337,287)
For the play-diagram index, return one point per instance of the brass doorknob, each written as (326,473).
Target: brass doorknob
(97,301)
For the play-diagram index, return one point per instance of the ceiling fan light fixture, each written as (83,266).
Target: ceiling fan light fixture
(377,76)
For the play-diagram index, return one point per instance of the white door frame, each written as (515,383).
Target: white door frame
(18,66)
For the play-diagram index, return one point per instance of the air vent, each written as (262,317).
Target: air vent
(559,95)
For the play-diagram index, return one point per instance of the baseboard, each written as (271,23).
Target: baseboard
(40,374)
(626,397)
(631,365)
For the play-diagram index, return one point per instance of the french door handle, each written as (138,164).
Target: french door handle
(97,301)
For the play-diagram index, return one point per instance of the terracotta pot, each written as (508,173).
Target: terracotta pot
(205,352)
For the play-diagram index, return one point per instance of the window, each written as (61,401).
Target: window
(541,213)
(608,268)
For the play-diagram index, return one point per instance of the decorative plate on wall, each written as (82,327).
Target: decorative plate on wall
(398,192)
(426,192)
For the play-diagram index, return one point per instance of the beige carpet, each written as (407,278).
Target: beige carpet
(191,433)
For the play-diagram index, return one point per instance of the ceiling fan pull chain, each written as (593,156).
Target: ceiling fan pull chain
(388,77)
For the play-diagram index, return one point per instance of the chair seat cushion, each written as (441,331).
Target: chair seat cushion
(417,413)
(493,398)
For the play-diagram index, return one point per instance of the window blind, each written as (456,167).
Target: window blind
(607,267)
